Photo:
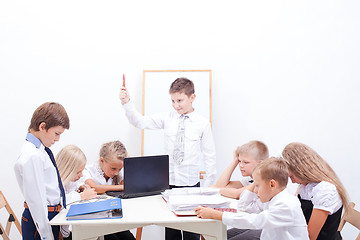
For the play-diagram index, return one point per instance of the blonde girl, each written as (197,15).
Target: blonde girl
(71,162)
(106,175)
(321,193)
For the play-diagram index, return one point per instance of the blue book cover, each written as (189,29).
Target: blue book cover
(110,208)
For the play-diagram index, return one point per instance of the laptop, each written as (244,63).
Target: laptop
(144,176)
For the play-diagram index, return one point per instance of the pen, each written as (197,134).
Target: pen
(123,80)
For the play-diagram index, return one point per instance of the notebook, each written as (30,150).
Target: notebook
(144,176)
(110,208)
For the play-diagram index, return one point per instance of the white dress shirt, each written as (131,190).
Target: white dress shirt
(281,219)
(72,196)
(199,144)
(37,179)
(245,181)
(323,195)
(94,172)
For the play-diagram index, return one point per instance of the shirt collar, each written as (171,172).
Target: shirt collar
(189,115)
(279,196)
(34,140)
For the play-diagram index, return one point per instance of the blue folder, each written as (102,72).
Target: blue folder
(110,208)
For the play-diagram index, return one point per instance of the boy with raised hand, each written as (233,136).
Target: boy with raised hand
(246,156)
(37,173)
(188,138)
(277,212)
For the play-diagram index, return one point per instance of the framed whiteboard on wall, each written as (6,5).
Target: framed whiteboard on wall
(156,99)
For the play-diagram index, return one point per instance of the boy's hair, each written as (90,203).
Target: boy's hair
(114,147)
(52,114)
(256,149)
(273,168)
(309,166)
(69,159)
(182,85)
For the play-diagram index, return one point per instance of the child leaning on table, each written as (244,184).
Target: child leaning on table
(188,139)
(37,173)
(275,211)
(71,162)
(246,156)
(106,175)
(321,192)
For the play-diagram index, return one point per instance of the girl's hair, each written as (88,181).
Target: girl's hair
(256,149)
(182,85)
(69,160)
(115,147)
(273,168)
(51,113)
(308,166)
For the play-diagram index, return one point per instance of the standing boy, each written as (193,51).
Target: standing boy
(275,211)
(37,173)
(188,137)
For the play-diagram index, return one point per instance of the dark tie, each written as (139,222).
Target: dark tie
(58,175)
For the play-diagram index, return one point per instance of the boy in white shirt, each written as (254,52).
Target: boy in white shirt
(37,173)
(275,211)
(246,156)
(196,140)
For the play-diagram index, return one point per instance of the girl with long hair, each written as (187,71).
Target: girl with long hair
(321,193)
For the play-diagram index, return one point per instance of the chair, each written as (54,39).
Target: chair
(12,218)
(351,216)
(139,233)
(202,173)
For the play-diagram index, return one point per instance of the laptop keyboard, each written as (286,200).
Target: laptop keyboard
(133,195)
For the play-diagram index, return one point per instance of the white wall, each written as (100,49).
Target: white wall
(282,71)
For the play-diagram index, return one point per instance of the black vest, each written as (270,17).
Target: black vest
(330,229)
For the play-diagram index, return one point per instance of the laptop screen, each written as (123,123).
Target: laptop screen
(146,174)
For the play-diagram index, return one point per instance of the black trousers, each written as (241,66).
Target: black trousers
(174,234)
(28,228)
(243,234)
(124,235)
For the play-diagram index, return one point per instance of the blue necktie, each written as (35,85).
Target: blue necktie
(58,175)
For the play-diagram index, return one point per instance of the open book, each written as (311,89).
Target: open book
(109,208)
(182,201)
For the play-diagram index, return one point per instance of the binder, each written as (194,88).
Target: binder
(110,208)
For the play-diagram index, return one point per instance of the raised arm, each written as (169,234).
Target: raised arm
(124,95)
(224,179)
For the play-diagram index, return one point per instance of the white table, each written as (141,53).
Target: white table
(140,212)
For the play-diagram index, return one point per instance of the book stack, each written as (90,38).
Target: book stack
(183,201)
